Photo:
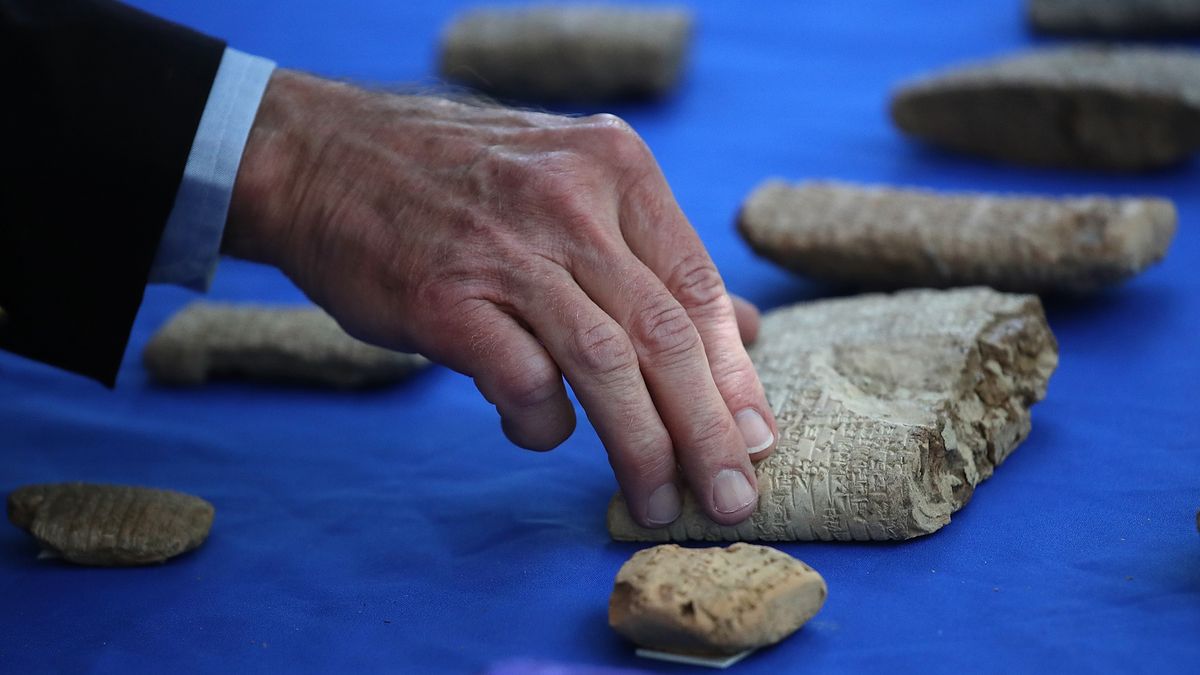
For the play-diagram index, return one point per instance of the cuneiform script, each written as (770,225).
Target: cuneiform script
(713,600)
(110,525)
(890,408)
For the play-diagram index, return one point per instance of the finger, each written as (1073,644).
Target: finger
(748,319)
(515,373)
(659,234)
(600,363)
(708,445)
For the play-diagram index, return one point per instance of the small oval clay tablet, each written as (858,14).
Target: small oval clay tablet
(713,601)
(110,525)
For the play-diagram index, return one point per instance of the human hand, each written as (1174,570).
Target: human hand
(516,247)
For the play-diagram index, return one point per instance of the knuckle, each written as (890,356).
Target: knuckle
(712,432)
(521,271)
(530,388)
(604,350)
(665,330)
(738,381)
(696,283)
(649,459)
(735,371)
(623,148)
(614,133)
(610,121)
(440,292)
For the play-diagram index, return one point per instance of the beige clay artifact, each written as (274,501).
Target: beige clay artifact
(713,601)
(1115,17)
(210,341)
(110,525)
(884,238)
(573,52)
(891,410)
(1112,108)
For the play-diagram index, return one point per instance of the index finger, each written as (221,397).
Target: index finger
(660,235)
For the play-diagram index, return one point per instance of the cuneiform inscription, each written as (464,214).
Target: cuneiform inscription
(891,409)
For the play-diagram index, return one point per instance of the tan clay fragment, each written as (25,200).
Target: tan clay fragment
(1115,108)
(208,341)
(882,238)
(110,525)
(713,601)
(581,52)
(1115,17)
(891,409)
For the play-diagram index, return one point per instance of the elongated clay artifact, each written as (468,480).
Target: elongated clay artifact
(885,238)
(208,341)
(713,601)
(891,409)
(110,525)
(573,52)
(1115,17)
(1113,108)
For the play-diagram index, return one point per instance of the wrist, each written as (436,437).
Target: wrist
(261,222)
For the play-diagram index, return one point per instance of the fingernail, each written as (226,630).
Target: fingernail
(755,432)
(732,492)
(663,507)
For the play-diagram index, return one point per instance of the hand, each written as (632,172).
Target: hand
(515,247)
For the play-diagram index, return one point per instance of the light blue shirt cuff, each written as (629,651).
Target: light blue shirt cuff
(191,241)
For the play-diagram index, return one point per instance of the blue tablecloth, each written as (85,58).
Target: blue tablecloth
(397,531)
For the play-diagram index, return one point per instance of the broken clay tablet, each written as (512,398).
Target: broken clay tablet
(713,601)
(573,52)
(1115,17)
(110,525)
(883,238)
(1115,108)
(209,341)
(890,408)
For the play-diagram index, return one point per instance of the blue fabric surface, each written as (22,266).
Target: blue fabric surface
(397,531)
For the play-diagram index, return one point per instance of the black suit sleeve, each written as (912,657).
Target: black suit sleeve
(101,102)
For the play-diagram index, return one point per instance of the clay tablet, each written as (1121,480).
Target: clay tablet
(891,409)
(580,52)
(1116,108)
(111,525)
(713,601)
(882,238)
(208,341)
(1115,17)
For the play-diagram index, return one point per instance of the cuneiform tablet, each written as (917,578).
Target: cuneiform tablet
(572,52)
(110,525)
(713,601)
(1112,108)
(1115,17)
(883,238)
(890,408)
(304,345)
